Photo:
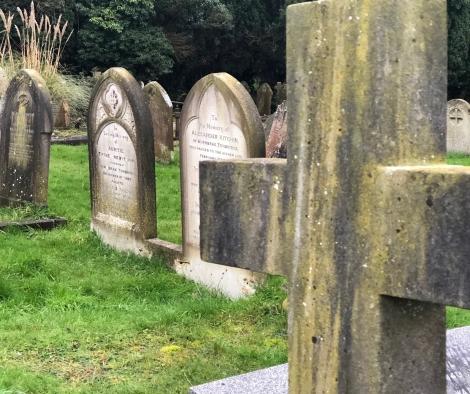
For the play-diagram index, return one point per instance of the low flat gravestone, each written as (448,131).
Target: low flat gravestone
(26,128)
(219,121)
(365,219)
(264,97)
(458,126)
(161,110)
(122,171)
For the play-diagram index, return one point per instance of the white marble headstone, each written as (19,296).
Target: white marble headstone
(458,126)
(219,121)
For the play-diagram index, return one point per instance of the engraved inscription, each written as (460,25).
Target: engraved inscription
(113,100)
(456,116)
(212,135)
(21,135)
(117,173)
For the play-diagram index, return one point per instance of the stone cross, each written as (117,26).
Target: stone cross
(26,128)
(365,218)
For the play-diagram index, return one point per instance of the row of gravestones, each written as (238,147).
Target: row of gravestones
(219,121)
(264,96)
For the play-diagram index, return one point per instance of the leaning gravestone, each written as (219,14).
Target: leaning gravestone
(26,128)
(161,110)
(264,97)
(219,121)
(458,126)
(122,170)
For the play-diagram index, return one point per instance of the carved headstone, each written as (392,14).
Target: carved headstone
(122,170)
(276,145)
(26,128)
(219,121)
(264,98)
(458,126)
(161,110)
(62,118)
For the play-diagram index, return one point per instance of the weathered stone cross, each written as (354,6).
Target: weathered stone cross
(366,220)
(456,115)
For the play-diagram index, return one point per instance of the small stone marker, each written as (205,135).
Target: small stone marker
(122,170)
(161,110)
(62,118)
(26,128)
(219,121)
(365,218)
(458,126)
(264,97)
(276,145)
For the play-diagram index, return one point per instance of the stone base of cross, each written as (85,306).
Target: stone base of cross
(365,219)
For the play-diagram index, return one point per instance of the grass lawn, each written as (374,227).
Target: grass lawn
(78,317)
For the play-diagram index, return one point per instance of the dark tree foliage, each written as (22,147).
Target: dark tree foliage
(459,48)
(179,41)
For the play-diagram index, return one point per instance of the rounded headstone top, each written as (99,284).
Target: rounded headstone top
(153,88)
(241,106)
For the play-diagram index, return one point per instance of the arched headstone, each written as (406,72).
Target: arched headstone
(219,121)
(161,110)
(122,170)
(458,126)
(26,128)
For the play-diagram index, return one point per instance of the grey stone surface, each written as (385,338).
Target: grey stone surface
(458,126)
(26,128)
(274,380)
(266,381)
(458,361)
(122,158)
(264,98)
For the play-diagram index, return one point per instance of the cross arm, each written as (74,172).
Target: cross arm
(243,214)
(426,232)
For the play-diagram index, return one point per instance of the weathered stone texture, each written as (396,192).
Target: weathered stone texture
(161,110)
(264,97)
(276,143)
(26,128)
(122,171)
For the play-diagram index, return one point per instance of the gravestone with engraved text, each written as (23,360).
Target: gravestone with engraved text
(161,110)
(458,126)
(122,171)
(26,128)
(219,121)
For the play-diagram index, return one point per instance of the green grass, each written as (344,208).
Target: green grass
(78,317)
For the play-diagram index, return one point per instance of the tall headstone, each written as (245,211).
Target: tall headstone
(161,110)
(62,117)
(122,171)
(458,126)
(219,121)
(26,128)
(368,222)
(264,97)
